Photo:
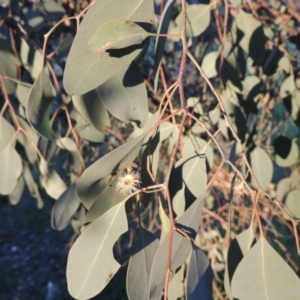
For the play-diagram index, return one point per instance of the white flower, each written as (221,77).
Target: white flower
(128,183)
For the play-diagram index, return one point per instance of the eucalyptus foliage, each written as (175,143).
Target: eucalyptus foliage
(195,145)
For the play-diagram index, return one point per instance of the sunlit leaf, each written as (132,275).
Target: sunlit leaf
(176,285)
(139,267)
(64,208)
(292,157)
(287,87)
(198,19)
(11,169)
(51,181)
(31,59)
(195,104)
(209,64)
(116,34)
(7,132)
(262,167)
(53,8)
(28,143)
(85,70)
(284,64)
(193,143)
(283,186)
(91,263)
(239,247)
(165,222)
(8,68)
(38,105)
(22,92)
(263,274)
(250,34)
(292,204)
(200,277)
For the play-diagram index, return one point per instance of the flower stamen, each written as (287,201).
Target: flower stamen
(128,183)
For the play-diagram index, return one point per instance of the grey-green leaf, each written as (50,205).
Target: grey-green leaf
(88,187)
(91,262)
(198,19)
(15,196)
(22,92)
(64,208)
(106,200)
(7,132)
(85,70)
(139,267)
(68,144)
(161,40)
(291,159)
(125,95)
(116,34)
(25,142)
(193,143)
(38,105)
(263,274)
(51,181)
(188,222)
(176,285)
(292,203)
(32,186)
(86,130)
(239,247)
(92,108)
(199,277)
(188,181)
(11,168)
(9,68)
(209,64)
